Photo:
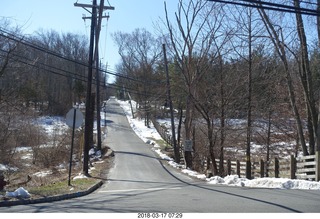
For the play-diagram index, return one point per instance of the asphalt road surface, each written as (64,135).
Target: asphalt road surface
(141,182)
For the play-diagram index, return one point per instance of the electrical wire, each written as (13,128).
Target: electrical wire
(294,9)
(106,37)
(61,72)
(23,41)
(308,2)
(272,6)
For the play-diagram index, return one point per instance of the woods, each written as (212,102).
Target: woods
(41,75)
(230,64)
(41,70)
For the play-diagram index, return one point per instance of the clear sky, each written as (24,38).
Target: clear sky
(63,16)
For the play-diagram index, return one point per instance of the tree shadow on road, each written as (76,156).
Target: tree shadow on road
(140,154)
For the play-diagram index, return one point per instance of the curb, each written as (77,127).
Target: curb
(51,198)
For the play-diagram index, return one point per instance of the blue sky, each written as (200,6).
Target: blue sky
(62,16)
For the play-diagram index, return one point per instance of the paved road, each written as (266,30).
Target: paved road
(141,182)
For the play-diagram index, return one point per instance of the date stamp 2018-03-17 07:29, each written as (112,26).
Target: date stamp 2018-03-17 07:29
(160,215)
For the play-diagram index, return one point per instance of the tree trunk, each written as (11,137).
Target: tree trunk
(318,126)
(211,147)
(188,130)
(268,142)
(280,49)
(307,81)
(179,125)
(222,121)
(249,108)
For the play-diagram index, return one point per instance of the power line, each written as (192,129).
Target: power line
(271,6)
(309,3)
(44,67)
(23,41)
(61,72)
(281,6)
(106,36)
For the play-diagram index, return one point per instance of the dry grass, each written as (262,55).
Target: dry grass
(56,182)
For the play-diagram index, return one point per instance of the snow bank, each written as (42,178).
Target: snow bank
(138,125)
(194,174)
(282,183)
(277,183)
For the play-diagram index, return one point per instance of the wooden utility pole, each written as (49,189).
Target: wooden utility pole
(101,9)
(88,141)
(94,5)
(96,56)
(89,109)
(175,147)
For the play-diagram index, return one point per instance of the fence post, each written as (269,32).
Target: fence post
(238,168)
(276,167)
(292,167)
(317,166)
(228,167)
(261,168)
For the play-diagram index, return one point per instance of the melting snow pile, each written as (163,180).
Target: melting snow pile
(19,193)
(94,154)
(80,176)
(277,183)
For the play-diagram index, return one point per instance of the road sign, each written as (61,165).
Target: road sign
(74,119)
(188,145)
(78,119)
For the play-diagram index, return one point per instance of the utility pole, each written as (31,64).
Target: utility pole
(89,110)
(89,99)
(96,56)
(97,67)
(175,147)
(101,8)
(94,5)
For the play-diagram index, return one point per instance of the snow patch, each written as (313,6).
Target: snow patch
(7,168)
(80,176)
(43,173)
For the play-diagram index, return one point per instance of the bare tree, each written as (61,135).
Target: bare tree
(192,41)
(140,53)
(307,82)
(278,41)
(318,30)
(247,37)
(59,67)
